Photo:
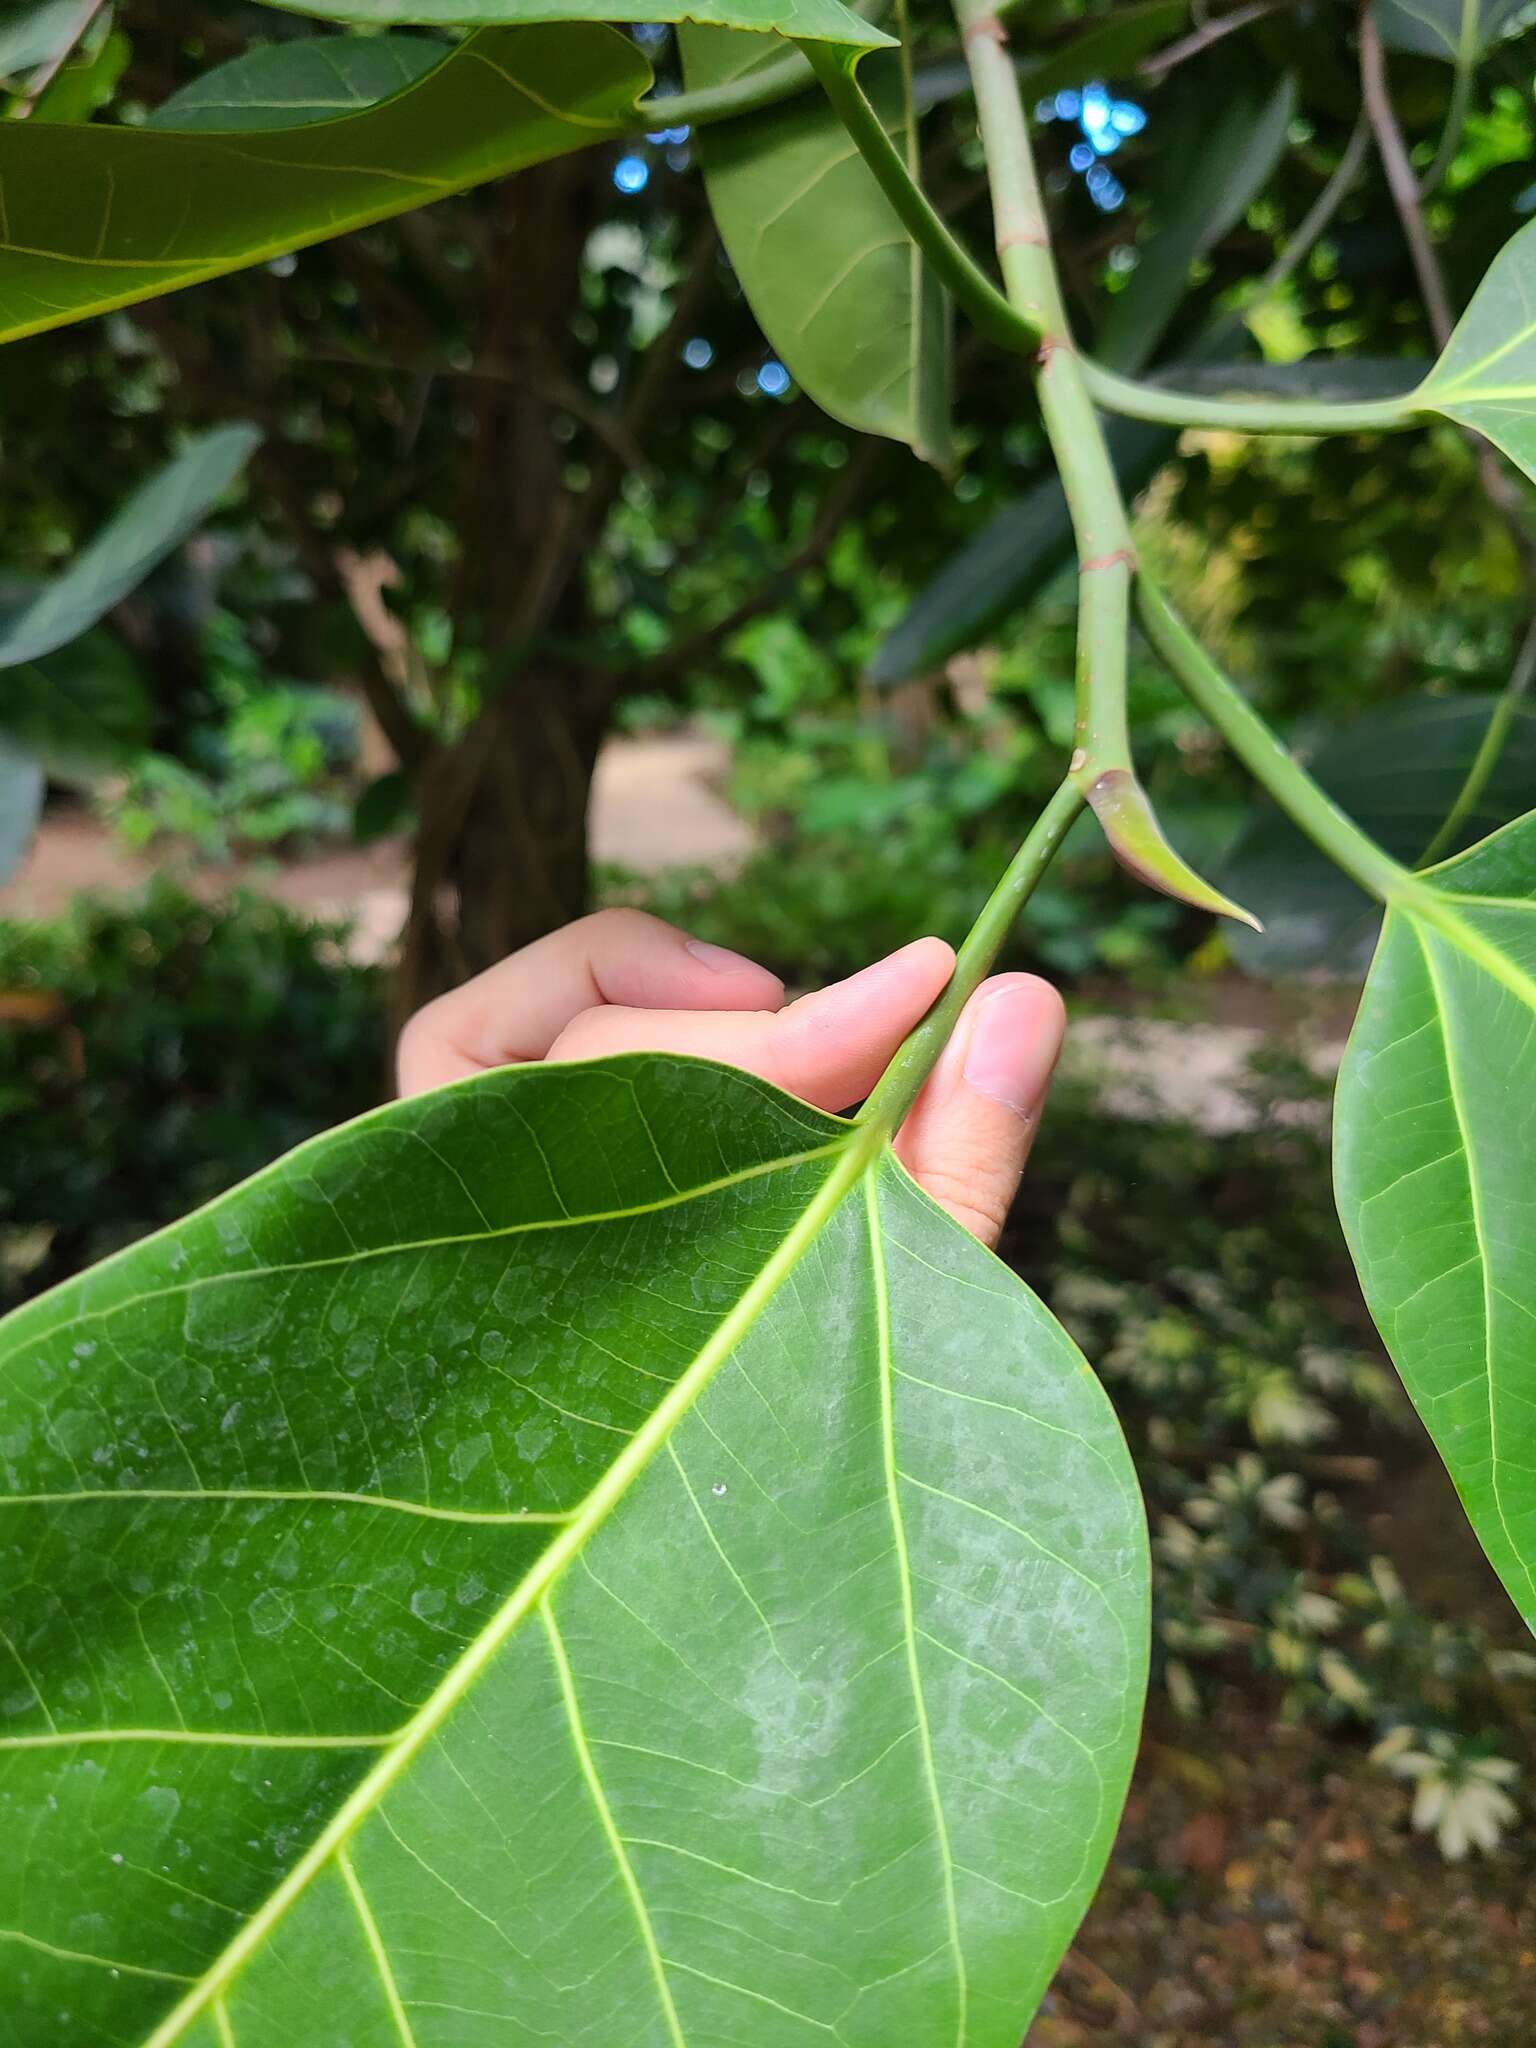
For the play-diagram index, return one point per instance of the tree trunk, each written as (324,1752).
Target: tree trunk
(501,848)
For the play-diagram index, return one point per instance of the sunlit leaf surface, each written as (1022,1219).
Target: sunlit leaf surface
(1436,1139)
(1487,377)
(590,1556)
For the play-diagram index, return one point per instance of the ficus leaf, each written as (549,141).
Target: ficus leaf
(1459,31)
(147,526)
(820,20)
(1435,1138)
(1396,771)
(100,217)
(1487,376)
(836,282)
(591,1554)
(311,78)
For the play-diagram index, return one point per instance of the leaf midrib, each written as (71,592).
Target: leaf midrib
(853,1156)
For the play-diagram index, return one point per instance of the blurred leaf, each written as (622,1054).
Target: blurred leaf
(1487,377)
(21,805)
(288,85)
(34,35)
(1397,772)
(1459,31)
(821,20)
(385,806)
(834,279)
(1326,376)
(1435,1132)
(1014,556)
(1109,48)
(1210,170)
(142,532)
(101,217)
(81,710)
(85,84)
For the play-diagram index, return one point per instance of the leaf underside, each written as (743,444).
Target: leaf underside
(591,1555)
(833,277)
(1435,1144)
(1487,376)
(96,217)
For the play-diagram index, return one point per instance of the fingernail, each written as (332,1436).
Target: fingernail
(720,959)
(1010,1052)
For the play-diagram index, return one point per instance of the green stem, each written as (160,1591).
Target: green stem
(1243,415)
(901,1083)
(1486,758)
(1292,788)
(953,265)
(1092,490)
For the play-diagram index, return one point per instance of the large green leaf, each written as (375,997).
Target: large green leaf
(1436,1136)
(99,217)
(1487,377)
(1459,31)
(818,20)
(590,1555)
(312,78)
(1397,771)
(146,527)
(836,282)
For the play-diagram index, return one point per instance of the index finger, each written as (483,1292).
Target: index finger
(518,1008)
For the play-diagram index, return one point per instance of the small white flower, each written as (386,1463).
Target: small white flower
(1460,1800)
(1281,1412)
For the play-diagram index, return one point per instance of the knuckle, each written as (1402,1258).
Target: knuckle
(976,1199)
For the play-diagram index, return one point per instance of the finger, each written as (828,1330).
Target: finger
(970,1130)
(518,1008)
(829,1048)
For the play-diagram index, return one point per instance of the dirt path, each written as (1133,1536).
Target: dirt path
(655,804)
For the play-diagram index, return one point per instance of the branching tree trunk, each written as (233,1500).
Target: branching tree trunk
(501,846)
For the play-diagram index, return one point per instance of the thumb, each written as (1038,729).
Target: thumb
(970,1130)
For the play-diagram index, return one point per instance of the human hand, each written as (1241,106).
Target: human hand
(621,981)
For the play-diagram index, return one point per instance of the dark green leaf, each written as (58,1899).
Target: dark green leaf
(1022,547)
(287,85)
(1015,555)
(1435,1138)
(81,710)
(833,277)
(1396,771)
(21,805)
(1457,30)
(101,217)
(819,20)
(142,532)
(1209,173)
(1110,48)
(589,1555)
(1333,377)
(1487,377)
